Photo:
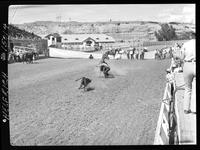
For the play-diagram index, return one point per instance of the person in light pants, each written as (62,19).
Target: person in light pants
(189,71)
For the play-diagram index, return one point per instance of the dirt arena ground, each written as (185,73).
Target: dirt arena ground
(46,107)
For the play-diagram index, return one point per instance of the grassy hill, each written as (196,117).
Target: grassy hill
(15,32)
(122,31)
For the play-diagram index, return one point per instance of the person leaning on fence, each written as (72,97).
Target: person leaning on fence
(189,73)
(173,65)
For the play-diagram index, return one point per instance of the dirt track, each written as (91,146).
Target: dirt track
(46,107)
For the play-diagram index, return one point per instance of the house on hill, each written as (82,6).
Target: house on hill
(82,42)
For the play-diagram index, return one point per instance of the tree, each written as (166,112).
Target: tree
(67,32)
(157,36)
(166,33)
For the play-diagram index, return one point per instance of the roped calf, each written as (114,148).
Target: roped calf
(84,82)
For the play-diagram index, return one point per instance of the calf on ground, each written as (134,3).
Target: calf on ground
(84,82)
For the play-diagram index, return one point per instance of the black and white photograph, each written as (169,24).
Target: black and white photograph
(102,74)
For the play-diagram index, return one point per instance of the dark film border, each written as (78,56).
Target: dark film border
(5,136)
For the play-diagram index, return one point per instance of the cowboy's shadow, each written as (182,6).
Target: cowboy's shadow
(110,76)
(88,89)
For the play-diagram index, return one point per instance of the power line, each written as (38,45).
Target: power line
(13,15)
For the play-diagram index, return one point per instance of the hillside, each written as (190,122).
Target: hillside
(16,33)
(126,31)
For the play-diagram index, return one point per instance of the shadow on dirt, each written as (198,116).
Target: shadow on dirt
(110,76)
(30,63)
(90,89)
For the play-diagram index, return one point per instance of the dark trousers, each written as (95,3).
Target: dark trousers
(132,56)
(128,56)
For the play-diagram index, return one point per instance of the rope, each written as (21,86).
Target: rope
(167,99)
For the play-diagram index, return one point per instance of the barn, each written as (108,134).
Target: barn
(53,39)
(82,42)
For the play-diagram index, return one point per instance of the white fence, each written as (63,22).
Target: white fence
(146,43)
(166,131)
(60,53)
(165,125)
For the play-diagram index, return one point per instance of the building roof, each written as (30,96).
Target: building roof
(53,34)
(76,38)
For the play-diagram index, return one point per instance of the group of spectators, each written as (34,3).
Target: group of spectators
(135,53)
(131,53)
(18,55)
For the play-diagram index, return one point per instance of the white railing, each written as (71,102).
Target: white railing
(166,131)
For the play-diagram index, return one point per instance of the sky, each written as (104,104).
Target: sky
(19,14)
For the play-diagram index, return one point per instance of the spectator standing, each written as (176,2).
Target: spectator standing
(17,56)
(127,53)
(136,54)
(189,70)
(140,54)
(131,53)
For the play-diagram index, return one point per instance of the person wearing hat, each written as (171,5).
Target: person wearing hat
(188,55)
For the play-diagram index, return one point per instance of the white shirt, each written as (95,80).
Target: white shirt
(189,50)
(17,53)
(121,51)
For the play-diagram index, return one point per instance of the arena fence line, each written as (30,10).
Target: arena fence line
(146,43)
(166,131)
(60,53)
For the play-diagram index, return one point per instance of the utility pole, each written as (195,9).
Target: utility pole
(58,18)
(69,24)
